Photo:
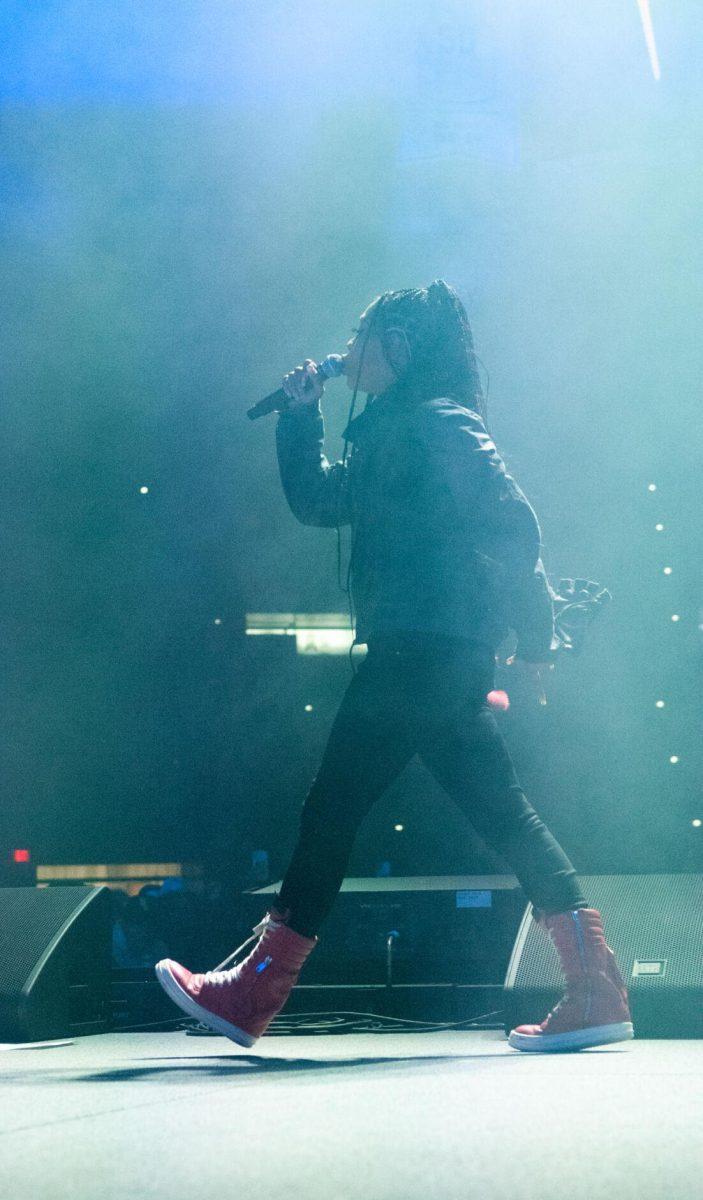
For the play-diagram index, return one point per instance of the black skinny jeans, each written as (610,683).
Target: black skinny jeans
(420,694)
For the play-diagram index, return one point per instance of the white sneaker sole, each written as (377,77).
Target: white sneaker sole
(578,1039)
(190,1006)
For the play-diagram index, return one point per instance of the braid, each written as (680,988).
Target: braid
(438,333)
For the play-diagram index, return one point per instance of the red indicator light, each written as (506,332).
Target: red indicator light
(20,855)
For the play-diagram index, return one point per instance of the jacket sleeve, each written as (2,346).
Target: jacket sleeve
(502,524)
(317,492)
(531,615)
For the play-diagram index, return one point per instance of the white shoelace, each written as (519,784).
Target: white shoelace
(218,976)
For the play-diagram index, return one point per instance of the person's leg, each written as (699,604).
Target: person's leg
(461,743)
(465,751)
(372,738)
(370,742)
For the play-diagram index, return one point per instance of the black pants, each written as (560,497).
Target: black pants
(426,695)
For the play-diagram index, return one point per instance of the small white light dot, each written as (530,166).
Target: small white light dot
(659,527)
(218,620)
(143,490)
(675,617)
(696,822)
(652,487)
(660,703)
(674,758)
(667,570)
(399,828)
(308,708)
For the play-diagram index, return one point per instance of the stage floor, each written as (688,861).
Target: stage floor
(418,1116)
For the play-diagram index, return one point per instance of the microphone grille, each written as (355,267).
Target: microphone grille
(332,366)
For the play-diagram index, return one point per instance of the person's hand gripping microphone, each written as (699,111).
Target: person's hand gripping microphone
(304,385)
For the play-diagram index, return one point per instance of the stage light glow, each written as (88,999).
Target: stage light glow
(124,877)
(660,703)
(143,490)
(399,828)
(20,856)
(667,570)
(659,528)
(315,633)
(696,822)
(652,487)
(675,617)
(648,30)
(323,641)
(218,620)
(674,758)
(308,708)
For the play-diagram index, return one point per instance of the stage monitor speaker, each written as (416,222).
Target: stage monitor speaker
(654,924)
(413,930)
(55,948)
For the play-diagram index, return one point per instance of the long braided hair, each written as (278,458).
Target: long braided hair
(436,327)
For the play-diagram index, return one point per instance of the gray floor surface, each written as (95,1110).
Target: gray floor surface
(381,1116)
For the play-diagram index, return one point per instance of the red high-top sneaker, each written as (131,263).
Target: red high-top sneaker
(594,1008)
(241,1002)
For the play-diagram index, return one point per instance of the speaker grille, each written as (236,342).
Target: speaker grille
(656,920)
(54,961)
(645,918)
(31,919)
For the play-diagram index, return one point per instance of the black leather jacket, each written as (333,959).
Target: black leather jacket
(443,539)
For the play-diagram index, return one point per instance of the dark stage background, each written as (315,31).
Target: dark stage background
(195,199)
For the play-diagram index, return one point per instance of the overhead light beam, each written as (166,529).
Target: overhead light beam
(648,30)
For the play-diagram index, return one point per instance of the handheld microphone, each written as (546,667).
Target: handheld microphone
(330,367)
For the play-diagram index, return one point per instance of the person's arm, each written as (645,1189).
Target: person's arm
(531,615)
(317,492)
(501,522)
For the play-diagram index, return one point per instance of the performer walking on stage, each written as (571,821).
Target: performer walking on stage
(445,561)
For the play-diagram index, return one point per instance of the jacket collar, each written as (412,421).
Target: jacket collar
(358,426)
(385,405)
